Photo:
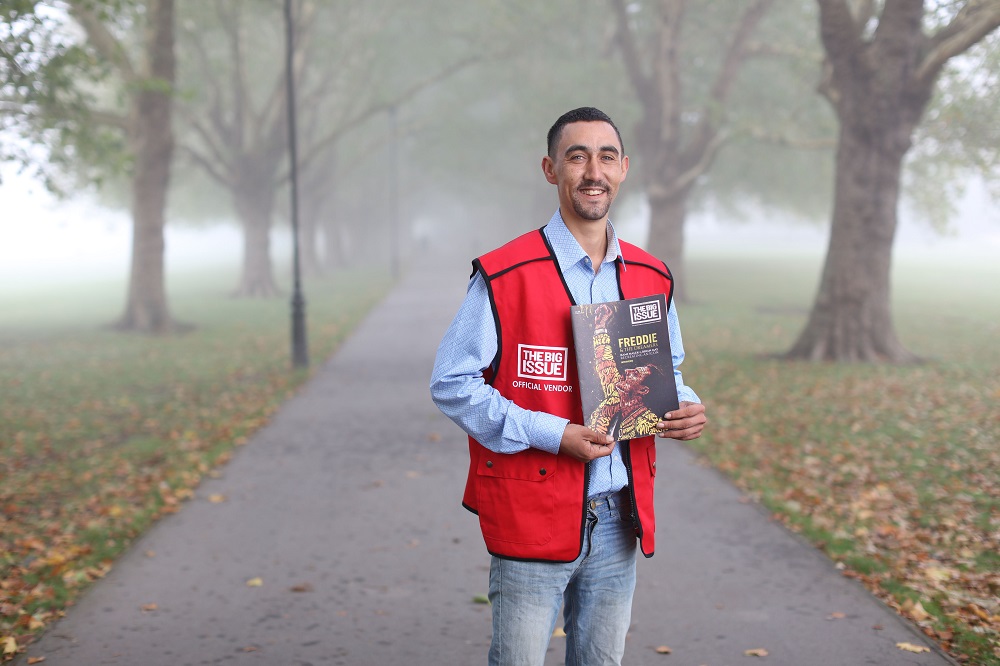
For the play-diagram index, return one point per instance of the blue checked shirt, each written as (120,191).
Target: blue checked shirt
(470,344)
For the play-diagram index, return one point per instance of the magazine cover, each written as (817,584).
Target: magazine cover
(625,366)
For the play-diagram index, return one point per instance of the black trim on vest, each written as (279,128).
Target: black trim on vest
(562,278)
(477,267)
(636,521)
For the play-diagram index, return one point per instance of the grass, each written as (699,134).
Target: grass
(102,433)
(894,471)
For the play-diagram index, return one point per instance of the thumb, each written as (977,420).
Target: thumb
(592,435)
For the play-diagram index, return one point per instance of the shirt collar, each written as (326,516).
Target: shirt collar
(567,249)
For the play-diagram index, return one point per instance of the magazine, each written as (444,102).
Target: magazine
(625,365)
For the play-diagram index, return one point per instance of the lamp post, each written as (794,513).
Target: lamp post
(300,352)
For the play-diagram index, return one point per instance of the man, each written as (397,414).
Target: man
(559,504)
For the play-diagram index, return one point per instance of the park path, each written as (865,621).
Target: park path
(346,507)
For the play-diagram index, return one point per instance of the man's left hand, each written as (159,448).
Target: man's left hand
(685,423)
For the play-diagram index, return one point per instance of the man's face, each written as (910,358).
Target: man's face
(587,167)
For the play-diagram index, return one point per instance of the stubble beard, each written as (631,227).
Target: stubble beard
(596,210)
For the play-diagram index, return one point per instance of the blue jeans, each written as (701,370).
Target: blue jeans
(595,591)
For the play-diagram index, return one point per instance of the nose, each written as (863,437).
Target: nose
(593,170)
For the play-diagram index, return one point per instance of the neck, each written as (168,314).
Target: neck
(592,235)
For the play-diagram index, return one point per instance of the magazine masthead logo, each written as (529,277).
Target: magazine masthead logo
(646,312)
(538,362)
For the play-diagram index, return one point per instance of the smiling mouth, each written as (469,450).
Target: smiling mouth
(591,191)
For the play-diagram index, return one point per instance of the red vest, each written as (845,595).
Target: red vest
(531,504)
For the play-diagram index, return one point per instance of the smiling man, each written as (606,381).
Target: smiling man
(562,507)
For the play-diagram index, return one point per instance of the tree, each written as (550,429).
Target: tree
(678,134)
(66,95)
(237,111)
(880,74)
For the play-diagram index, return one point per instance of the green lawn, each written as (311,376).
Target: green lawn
(101,433)
(893,471)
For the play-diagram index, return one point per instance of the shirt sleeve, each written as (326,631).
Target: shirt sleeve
(460,392)
(684,392)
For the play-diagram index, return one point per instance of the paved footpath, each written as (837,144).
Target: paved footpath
(347,508)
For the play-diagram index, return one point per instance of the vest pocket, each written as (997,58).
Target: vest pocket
(516,496)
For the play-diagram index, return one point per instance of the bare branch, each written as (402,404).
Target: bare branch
(666,72)
(207,164)
(769,50)
(977,19)
(625,38)
(840,32)
(217,154)
(350,123)
(735,54)
(102,40)
(686,179)
(788,141)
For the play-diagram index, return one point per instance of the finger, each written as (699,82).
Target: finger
(682,433)
(598,437)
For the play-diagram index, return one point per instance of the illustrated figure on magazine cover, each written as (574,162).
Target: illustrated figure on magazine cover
(622,414)
(562,508)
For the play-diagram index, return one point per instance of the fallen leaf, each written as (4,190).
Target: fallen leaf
(663,649)
(149,607)
(216,498)
(255,582)
(9,645)
(910,647)
(481,599)
(559,633)
(915,610)
(836,616)
(756,652)
(250,648)
(150,553)
(35,660)
(302,587)
(412,474)
(877,627)
(434,437)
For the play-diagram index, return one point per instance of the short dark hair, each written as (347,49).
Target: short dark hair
(583,114)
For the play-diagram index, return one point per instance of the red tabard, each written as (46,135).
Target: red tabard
(531,504)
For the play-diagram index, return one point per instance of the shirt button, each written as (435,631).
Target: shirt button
(489,463)
(542,471)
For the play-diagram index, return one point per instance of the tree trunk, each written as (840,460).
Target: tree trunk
(152,143)
(254,205)
(850,319)
(666,236)
(879,90)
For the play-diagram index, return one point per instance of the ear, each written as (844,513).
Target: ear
(549,169)
(624,166)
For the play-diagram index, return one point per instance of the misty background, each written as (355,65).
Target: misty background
(425,126)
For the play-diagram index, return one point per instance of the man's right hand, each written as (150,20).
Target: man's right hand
(584,444)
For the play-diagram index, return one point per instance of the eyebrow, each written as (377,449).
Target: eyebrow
(585,149)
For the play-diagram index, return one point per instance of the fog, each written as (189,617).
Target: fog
(48,242)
